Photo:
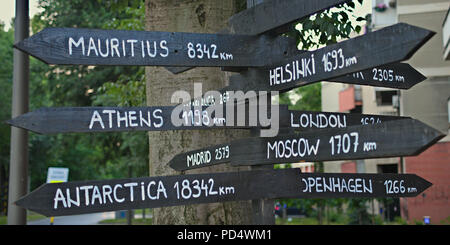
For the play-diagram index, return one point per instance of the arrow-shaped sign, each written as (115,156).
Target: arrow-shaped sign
(405,137)
(375,49)
(313,120)
(119,119)
(78,46)
(395,75)
(151,192)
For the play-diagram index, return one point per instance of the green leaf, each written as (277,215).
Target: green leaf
(344,16)
(360,19)
(351,4)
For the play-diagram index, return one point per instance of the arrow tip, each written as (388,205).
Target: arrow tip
(33,201)
(422,36)
(430,135)
(20,46)
(33,46)
(428,184)
(173,165)
(26,121)
(20,202)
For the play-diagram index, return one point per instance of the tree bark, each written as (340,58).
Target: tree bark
(203,16)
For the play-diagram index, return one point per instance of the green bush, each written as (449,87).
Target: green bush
(400,221)
(445,221)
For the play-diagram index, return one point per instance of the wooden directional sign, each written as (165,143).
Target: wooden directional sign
(116,119)
(77,46)
(388,45)
(396,75)
(405,137)
(151,192)
(119,119)
(312,120)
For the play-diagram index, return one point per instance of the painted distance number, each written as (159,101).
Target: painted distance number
(370,120)
(196,117)
(201,51)
(195,189)
(342,143)
(394,187)
(384,75)
(335,59)
(222,152)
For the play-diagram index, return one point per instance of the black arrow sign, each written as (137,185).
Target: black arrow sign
(77,46)
(405,137)
(119,119)
(396,75)
(313,120)
(151,192)
(388,45)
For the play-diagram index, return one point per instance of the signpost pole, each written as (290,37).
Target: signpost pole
(18,171)
(263,209)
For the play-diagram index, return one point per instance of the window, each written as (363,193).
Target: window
(385,97)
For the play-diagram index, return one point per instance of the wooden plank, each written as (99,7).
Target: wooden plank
(81,197)
(313,120)
(121,119)
(404,137)
(276,16)
(385,46)
(395,75)
(78,46)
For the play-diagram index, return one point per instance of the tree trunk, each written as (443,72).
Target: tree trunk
(203,16)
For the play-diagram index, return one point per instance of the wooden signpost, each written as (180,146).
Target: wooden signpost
(395,75)
(388,45)
(121,119)
(406,137)
(77,46)
(313,120)
(266,63)
(151,192)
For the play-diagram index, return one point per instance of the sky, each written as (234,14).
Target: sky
(7,9)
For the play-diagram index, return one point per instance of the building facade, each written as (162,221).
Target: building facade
(427,101)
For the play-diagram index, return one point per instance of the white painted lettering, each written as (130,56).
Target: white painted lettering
(76,44)
(96,118)
(59,197)
(92,47)
(109,112)
(115,194)
(131,186)
(86,189)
